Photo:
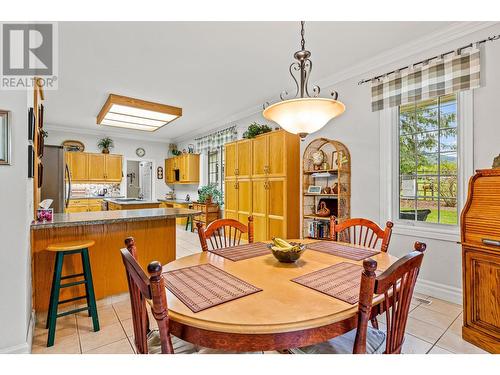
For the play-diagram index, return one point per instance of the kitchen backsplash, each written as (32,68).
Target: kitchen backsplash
(88,190)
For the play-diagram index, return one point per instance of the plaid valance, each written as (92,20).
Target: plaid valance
(215,140)
(453,73)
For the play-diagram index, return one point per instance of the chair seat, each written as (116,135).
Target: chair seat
(71,245)
(344,344)
(180,346)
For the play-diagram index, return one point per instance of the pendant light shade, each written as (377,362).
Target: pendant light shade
(305,115)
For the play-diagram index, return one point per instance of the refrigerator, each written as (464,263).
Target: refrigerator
(56,178)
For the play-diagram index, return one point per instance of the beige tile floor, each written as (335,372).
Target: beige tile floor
(431,329)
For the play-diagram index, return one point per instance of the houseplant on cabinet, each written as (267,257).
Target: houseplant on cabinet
(209,194)
(254,129)
(105,144)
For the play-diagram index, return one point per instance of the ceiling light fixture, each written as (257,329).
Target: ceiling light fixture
(124,112)
(308,113)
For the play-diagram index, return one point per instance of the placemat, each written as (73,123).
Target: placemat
(242,252)
(342,250)
(341,281)
(203,286)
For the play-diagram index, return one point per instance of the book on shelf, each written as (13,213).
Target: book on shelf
(318,229)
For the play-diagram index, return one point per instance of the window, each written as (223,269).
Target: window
(216,169)
(428,161)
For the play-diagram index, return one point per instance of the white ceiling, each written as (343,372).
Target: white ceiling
(212,70)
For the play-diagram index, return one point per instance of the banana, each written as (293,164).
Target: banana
(281,243)
(282,249)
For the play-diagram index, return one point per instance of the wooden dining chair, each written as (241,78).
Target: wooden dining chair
(396,284)
(362,232)
(142,288)
(223,233)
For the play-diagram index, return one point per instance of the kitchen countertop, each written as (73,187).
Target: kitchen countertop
(127,203)
(95,197)
(108,217)
(176,201)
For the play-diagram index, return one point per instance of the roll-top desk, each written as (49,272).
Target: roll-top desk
(480,236)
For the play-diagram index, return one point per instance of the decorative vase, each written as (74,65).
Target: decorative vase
(208,199)
(323,211)
(335,188)
(105,150)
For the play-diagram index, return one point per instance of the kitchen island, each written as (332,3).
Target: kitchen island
(153,230)
(130,203)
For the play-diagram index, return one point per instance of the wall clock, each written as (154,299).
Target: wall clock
(140,152)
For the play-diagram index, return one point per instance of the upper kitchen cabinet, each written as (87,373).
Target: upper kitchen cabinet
(269,154)
(238,159)
(113,165)
(183,169)
(90,167)
(78,164)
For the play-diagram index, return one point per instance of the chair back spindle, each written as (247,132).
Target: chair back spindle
(362,232)
(142,287)
(396,284)
(224,233)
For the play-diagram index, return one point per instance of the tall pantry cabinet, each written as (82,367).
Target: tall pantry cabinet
(262,179)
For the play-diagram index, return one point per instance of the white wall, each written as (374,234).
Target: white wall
(16,196)
(155,152)
(359,129)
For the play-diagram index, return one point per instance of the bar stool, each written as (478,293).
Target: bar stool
(189,220)
(62,249)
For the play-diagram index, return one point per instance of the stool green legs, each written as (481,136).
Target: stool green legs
(189,222)
(61,250)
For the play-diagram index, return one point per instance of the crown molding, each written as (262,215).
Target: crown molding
(106,132)
(454,31)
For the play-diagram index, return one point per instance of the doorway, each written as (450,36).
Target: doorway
(139,179)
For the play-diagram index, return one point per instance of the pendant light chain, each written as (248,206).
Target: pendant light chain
(302,32)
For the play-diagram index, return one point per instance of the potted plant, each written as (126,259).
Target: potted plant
(105,144)
(209,194)
(254,129)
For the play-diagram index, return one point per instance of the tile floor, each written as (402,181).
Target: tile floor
(431,329)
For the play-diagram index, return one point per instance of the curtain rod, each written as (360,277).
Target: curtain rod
(458,50)
(215,132)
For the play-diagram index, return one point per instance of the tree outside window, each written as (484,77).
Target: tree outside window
(428,161)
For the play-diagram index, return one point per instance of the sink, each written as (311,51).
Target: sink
(126,199)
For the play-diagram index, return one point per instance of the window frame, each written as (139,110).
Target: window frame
(220,168)
(389,171)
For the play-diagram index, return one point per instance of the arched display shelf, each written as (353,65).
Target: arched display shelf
(318,182)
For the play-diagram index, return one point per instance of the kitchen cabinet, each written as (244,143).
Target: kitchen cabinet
(93,167)
(78,164)
(83,205)
(183,169)
(264,183)
(97,167)
(480,239)
(169,171)
(113,167)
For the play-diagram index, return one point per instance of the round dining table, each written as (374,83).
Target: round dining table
(283,315)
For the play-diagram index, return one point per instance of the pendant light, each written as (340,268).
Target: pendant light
(308,113)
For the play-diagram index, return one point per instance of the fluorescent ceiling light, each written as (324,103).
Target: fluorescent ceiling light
(131,113)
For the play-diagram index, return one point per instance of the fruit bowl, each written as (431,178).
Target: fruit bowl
(288,255)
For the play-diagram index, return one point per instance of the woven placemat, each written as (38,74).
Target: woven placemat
(342,250)
(203,286)
(341,281)
(242,252)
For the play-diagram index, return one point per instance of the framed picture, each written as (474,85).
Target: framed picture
(313,189)
(5,137)
(31,125)
(31,161)
(40,116)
